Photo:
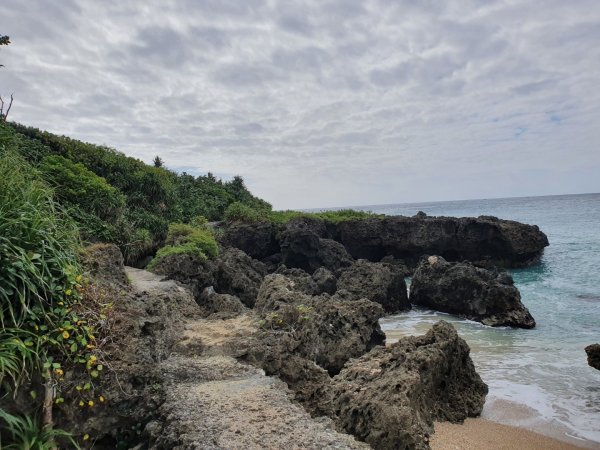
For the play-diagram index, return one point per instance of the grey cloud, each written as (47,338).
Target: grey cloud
(248,128)
(531,88)
(162,45)
(308,58)
(321,102)
(211,36)
(295,24)
(239,74)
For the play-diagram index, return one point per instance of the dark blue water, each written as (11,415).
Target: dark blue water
(538,379)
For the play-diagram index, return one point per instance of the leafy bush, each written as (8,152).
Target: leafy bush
(46,324)
(74,184)
(332,216)
(189,240)
(199,222)
(39,284)
(239,212)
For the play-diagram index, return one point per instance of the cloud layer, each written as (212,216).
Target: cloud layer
(323,103)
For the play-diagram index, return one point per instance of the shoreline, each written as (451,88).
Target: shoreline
(478,433)
(503,424)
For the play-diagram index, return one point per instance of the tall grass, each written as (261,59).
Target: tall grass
(38,259)
(38,244)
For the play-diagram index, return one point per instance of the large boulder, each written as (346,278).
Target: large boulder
(220,306)
(487,296)
(302,247)
(593,355)
(391,396)
(325,280)
(238,274)
(232,272)
(376,282)
(484,240)
(301,280)
(324,329)
(104,262)
(191,270)
(258,240)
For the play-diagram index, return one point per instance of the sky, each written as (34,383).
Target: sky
(323,103)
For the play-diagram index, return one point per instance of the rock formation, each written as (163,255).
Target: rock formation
(376,282)
(238,274)
(486,241)
(390,397)
(256,239)
(187,367)
(487,296)
(483,240)
(321,328)
(231,272)
(593,355)
(303,248)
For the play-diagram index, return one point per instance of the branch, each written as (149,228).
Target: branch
(4,115)
(9,106)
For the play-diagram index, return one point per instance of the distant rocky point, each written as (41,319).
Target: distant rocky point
(308,242)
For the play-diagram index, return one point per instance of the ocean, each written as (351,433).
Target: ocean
(538,379)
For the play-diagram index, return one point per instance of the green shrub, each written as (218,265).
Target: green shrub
(239,212)
(39,284)
(332,216)
(179,233)
(76,185)
(186,239)
(199,222)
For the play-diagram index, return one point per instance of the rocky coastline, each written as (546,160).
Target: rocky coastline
(277,339)
(309,243)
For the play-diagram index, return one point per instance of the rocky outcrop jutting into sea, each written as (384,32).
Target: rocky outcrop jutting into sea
(309,243)
(390,397)
(483,240)
(487,296)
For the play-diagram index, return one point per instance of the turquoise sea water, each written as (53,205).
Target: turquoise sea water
(538,379)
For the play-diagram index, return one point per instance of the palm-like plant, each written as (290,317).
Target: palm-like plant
(26,434)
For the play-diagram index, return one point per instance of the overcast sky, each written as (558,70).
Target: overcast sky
(323,103)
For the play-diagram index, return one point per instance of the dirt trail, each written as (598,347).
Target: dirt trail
(214,401)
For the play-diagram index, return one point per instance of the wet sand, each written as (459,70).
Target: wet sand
(481,434)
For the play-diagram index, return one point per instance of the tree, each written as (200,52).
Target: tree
(158,162)
(4,40)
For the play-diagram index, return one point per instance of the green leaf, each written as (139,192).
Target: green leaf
(94,373)
(73,347)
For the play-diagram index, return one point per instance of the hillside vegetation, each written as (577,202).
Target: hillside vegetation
(119,199)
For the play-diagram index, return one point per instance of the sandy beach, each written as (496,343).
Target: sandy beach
(481,434)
